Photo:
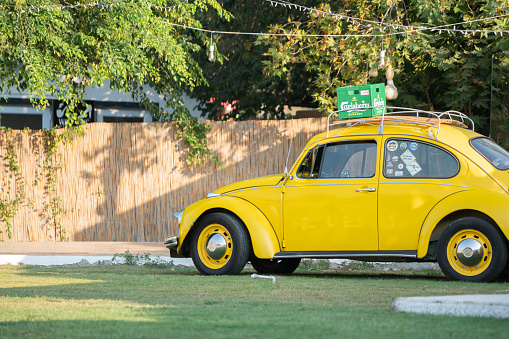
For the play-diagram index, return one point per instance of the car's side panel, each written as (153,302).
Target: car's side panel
(493,204)
(267,200)
(402,208)
(263,235)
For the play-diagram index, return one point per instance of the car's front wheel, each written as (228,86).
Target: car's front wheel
(220,245)
(472,249)
(275,266)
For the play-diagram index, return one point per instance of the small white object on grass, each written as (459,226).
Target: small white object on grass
(256,276)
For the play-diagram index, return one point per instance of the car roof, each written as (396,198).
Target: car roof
(450,132)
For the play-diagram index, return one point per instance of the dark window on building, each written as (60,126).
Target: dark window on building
(21,121)
(122,119)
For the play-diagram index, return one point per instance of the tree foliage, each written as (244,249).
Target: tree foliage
(53,47)
(435,69)
(239,76)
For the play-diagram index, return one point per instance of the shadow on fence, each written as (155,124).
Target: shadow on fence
(123,182)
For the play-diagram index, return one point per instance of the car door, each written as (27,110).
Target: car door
(330,203)
(416,175)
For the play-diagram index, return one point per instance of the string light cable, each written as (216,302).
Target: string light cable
(326,35)
(165,9)
(371,25)
(384,25)
(272,34)
(103,4)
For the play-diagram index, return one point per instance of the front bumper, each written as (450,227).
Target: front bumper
(171,242)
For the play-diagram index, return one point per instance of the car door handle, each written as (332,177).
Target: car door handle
(366,189)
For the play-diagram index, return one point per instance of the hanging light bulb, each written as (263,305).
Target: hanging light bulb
(211,50)
(391,92)
(211,53)
(382,59)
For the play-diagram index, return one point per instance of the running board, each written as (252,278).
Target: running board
(359,255)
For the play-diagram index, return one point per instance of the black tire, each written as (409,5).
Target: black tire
(472,249)
(275,266)
(505,274)
(220,245)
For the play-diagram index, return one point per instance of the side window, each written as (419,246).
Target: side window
(349,160)
(413,159)
(310,166)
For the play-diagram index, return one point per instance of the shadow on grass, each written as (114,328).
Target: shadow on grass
(413,275)
(126,283)
(239,317)
(183,285)
(155,286)
(84,329)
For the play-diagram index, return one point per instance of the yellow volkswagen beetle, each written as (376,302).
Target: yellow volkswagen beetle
(398,187)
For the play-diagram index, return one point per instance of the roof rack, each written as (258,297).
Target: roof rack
(410,116)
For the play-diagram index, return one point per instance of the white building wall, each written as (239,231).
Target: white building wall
(126,107)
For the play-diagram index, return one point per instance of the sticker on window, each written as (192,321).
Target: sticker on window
(411,164)
(414,146)
(390,171)
(398,173)
(407,156)
(395,158)
(403,145)
(392,145)
(413,168)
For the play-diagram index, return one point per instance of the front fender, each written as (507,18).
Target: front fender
(495,205)
(263,236)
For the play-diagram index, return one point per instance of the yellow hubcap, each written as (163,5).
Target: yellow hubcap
(469,252)
(215,246)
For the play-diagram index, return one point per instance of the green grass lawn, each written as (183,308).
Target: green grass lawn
(148,302)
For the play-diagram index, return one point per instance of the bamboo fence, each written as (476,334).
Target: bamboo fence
(123,182)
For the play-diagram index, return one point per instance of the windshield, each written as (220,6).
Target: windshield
(495,154)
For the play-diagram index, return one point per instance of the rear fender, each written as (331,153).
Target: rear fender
(264,238)
(494,205)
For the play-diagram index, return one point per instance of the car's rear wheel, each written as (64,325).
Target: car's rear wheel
(275,266)
(472,249)
(220,245)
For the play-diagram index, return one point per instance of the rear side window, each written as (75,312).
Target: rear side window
(495,154)
(414,159)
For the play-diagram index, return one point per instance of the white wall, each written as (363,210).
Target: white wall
(101,94)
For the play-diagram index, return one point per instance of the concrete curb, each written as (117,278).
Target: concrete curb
(56,260)
(475,305)
(66,259)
